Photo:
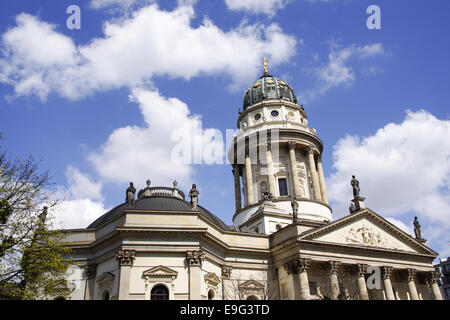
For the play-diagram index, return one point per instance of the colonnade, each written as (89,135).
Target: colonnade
(297,270)
(317,177)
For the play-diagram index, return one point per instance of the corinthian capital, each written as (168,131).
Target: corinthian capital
(292,145)
(195,257)
(126,257)
(411,274)
(334,266)
(226,272)
(297,265)
(387,272)
(434,277)
(361,269)
(90,270)
(310,149)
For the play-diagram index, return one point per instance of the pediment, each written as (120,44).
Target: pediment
(105,277)
(212,279)
(160,271)
(251,285)
(367,229)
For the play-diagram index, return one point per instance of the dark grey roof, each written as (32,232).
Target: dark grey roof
(158,203)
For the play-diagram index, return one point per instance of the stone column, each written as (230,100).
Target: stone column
(270,175)
(323,188)
(194,261)
(334,283)
(314,176)
(237,187)
(387,271)
(434,277)
(125,258)
(226,275)
(292,271)
(303,265)
(294,173)
(411,285)
(249,179)
(362,287)
(90,271)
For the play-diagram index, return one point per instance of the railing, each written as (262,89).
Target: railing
(161,192)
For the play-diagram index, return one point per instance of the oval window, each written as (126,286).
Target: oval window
(274,113)
(257,116)
(291,115)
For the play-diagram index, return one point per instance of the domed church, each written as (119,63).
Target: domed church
(161,244)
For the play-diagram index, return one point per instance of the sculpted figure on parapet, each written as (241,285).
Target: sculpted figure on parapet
(355,185)
(193,194)
(129,194)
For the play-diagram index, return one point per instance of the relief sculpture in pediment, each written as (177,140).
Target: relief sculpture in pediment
(366,236)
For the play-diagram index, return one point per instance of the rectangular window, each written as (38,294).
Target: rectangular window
(282,185)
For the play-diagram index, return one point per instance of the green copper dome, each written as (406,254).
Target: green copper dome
(266,88)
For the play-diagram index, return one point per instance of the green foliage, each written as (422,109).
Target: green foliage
(32,255)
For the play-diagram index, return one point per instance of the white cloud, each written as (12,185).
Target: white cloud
(400,224)
(403,169)
(137,153)
(81,186)
(80,203)
(77,213)
(101,4)
(39,60)
(268,7)
(339,71)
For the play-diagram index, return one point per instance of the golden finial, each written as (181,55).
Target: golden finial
(265,66)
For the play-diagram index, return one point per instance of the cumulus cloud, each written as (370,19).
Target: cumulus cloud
(163,149)
(81,185)
(339,69)
(404,171)
(77,213)
(268,7)
(37,59)
(101,4)
(81,202)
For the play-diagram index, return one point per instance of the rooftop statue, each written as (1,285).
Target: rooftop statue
(266,71)
(355,185)
(417,229)
(193,194)
(129,194)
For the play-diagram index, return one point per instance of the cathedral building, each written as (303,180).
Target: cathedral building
(283,244)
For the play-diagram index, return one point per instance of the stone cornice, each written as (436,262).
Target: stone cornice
(277,199)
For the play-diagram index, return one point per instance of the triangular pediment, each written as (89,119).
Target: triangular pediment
(105,277)
(251,284)
(212,278)
(160,271)
(367,229)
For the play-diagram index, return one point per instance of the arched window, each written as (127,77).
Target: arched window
(252,298)
(211,294)
(106,295)
(159,292)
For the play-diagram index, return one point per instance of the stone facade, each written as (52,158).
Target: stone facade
(162,247)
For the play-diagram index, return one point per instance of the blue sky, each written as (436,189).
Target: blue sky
(99,104)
